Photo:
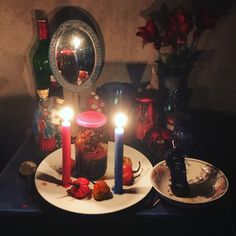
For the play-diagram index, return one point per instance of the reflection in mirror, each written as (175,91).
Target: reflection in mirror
(75,55)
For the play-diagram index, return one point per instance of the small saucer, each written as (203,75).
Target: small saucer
(206,182)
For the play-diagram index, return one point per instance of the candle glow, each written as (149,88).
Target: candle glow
(120,120)
(66,114)
(76,42)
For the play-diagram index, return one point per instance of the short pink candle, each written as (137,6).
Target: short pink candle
(66,152)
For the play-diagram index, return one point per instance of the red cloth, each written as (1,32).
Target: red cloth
(47,145)
(145,120)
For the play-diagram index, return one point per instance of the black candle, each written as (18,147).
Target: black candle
(175,160)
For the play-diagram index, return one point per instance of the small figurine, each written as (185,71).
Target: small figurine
(175,160)
(43,128)
(57,104)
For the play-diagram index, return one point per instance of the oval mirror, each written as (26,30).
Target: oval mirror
(75,55)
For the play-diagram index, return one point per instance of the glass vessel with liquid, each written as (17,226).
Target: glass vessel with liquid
(44,78)
(40,61)
(91,145)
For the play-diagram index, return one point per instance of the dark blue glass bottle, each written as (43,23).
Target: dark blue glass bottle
(183,137)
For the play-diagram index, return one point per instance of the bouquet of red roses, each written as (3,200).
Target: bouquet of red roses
(175,35)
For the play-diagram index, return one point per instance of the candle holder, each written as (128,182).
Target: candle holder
(91,145)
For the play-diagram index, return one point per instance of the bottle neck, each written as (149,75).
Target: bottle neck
(43,33)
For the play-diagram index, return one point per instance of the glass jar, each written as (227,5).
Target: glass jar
(91,145)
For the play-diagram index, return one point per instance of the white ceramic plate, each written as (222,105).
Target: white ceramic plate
(48,184)
(207,183)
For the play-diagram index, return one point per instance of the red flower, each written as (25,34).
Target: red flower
(179,25)
(185,21)
(174,31)
(149,32)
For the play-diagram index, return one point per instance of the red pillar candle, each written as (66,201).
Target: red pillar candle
(66,152)
(66,114)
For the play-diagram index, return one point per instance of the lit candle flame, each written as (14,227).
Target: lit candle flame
(66,113)
(76,42)
(120,120)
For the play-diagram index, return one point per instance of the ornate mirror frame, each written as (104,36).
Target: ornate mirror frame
(98,60)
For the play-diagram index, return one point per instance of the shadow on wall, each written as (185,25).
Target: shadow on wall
(135,71)
(16,117)
(200,98)
(129,72)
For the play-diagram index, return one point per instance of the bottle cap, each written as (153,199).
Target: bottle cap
(91,119)
(145,100)
(42,29)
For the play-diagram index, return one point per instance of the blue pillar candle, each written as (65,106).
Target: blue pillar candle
(120,120)
(119,133)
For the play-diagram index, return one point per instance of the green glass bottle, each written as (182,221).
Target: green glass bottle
(41,66)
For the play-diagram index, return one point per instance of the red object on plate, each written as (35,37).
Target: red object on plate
(80,188)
